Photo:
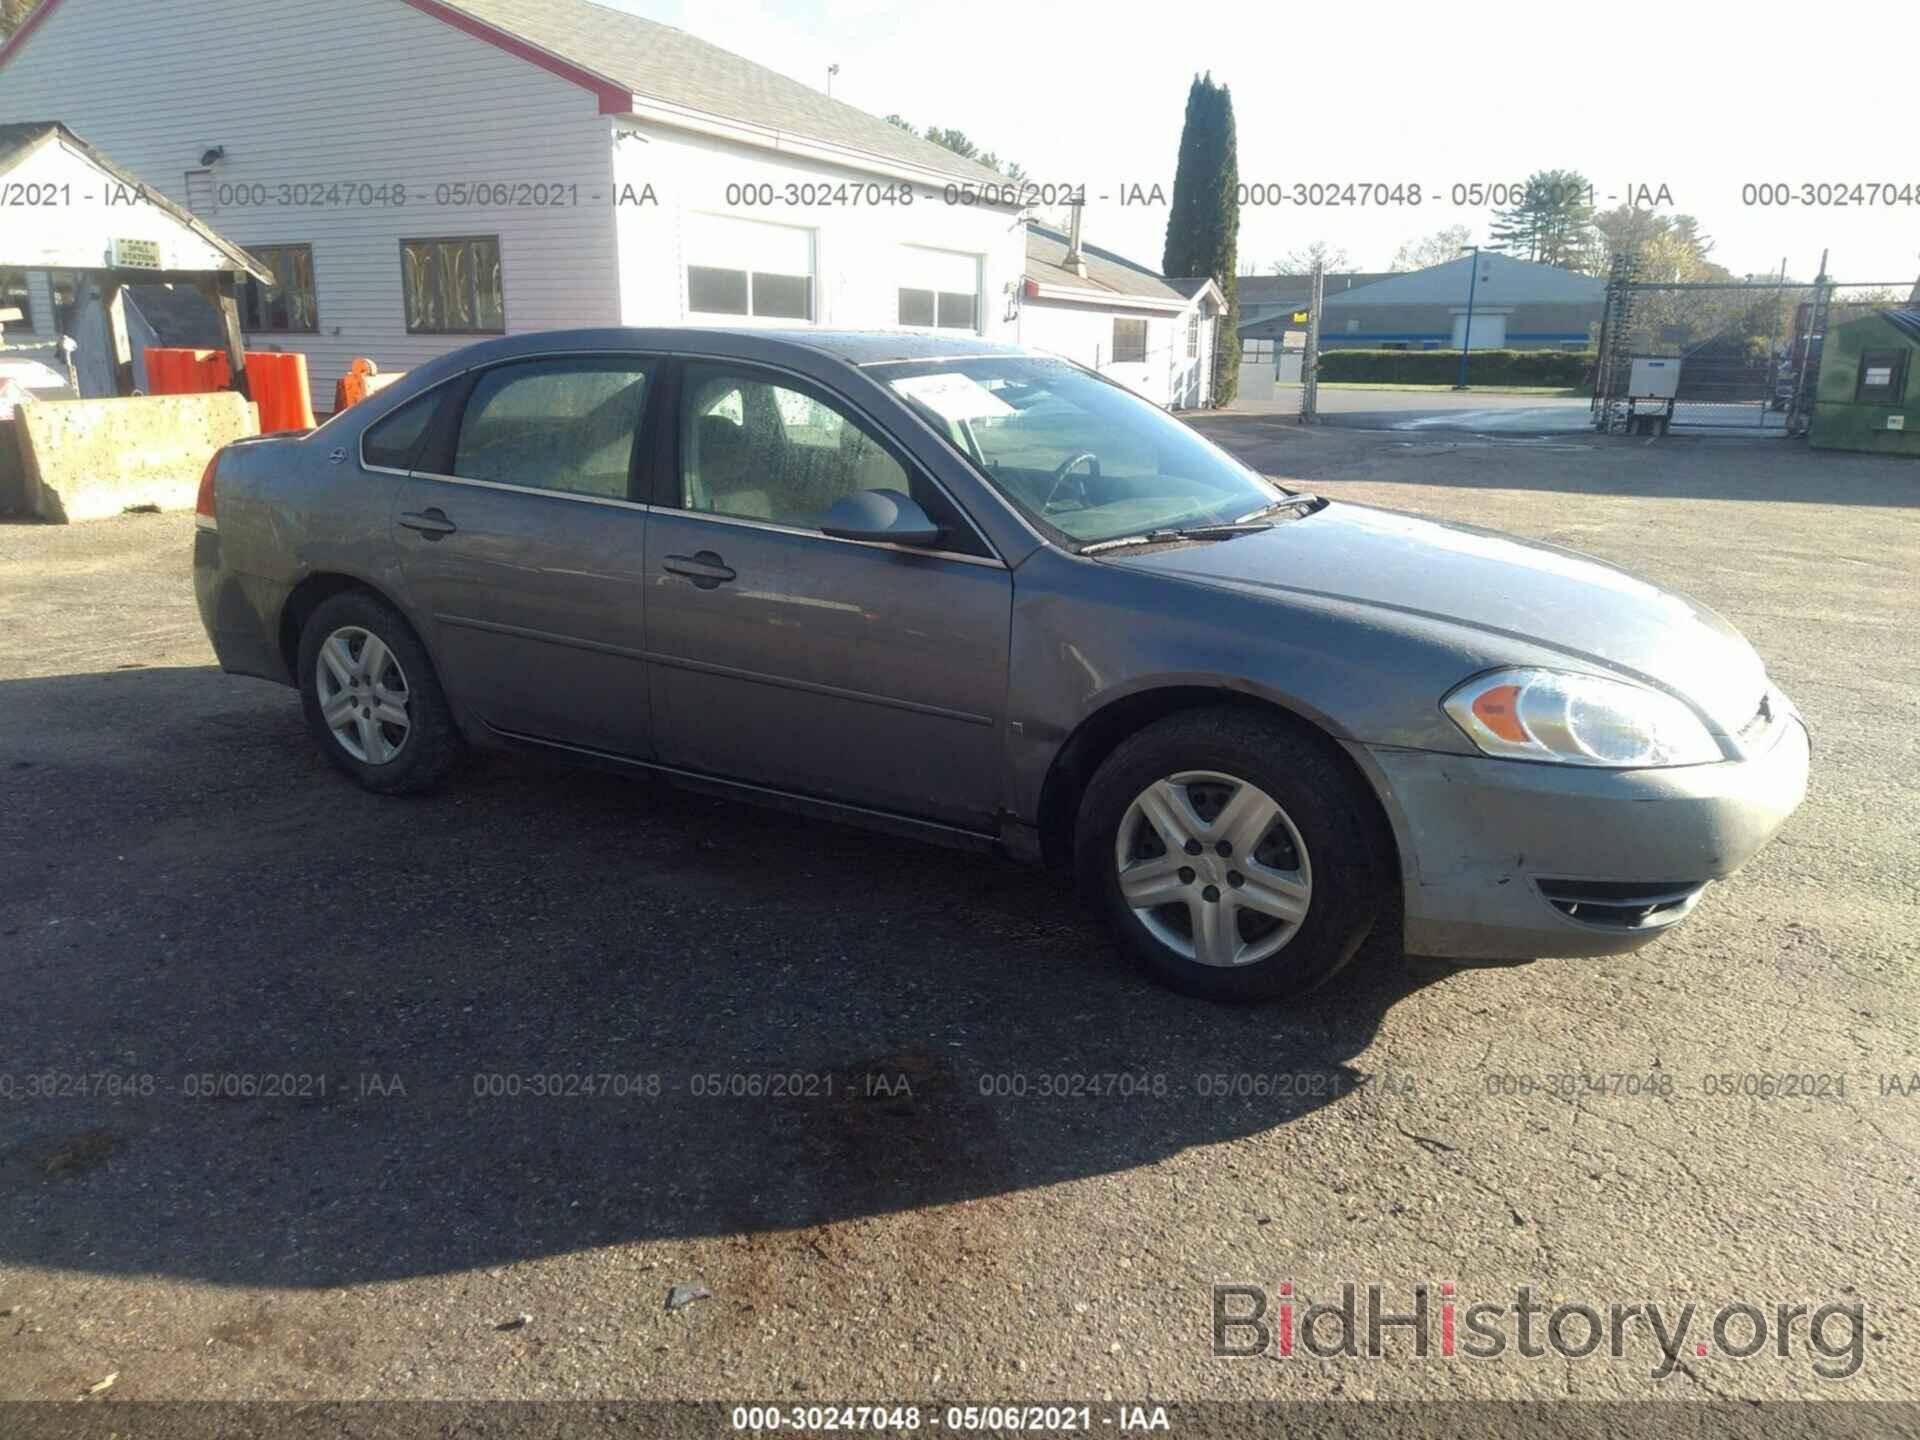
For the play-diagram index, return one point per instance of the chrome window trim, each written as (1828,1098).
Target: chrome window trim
(576,495)
(991,491)
(992,562)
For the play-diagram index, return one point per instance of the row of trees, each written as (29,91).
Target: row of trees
(1554,222)
(959,144)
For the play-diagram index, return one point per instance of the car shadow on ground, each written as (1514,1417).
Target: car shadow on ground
(270,1030)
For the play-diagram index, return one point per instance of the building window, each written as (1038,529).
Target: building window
(453,286)
(15,294)
(1129,341)
(287,305)
(938,290)
(938,310)
(1883,378)
(746,267)
(1193,336)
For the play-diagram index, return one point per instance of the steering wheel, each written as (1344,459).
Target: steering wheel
(1060,475)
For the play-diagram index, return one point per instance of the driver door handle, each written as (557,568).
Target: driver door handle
(706,569)
(430,523)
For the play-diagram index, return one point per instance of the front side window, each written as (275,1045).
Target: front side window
(757,450)
(567,424)
(454,286)
(1085,458)
(1129,341)
(288,306)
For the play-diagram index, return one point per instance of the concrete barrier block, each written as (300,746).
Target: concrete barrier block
(86,459)
(13,468)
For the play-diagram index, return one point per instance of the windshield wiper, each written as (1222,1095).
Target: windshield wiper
(1299,499)
(1173,536)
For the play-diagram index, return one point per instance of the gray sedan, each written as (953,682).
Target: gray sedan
(984,597)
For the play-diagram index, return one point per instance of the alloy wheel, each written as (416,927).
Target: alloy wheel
(363,695)
(1213,868)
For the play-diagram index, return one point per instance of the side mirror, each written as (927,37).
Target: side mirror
(885,516)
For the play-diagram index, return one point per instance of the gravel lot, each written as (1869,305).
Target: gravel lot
(190,894)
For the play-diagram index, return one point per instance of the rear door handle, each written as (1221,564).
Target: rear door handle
(430,523)
(704,568)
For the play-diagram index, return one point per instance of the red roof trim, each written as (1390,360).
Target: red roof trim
(614,99)
(19,37)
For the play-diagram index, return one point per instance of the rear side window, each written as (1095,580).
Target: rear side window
(394,443)
(568,424)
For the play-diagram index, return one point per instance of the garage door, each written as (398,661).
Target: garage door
(1489,331)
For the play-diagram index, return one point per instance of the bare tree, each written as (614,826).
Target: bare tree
(1299,262)
(1433,249)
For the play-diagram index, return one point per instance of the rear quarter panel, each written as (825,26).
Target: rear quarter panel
(288,511)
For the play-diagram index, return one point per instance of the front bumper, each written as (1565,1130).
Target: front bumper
(1488,846)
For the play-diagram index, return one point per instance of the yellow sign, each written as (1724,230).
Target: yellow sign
(1299,317)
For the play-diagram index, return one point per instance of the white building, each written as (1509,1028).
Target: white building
(1130,323)
(417,173)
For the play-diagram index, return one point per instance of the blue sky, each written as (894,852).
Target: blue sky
(1379,93)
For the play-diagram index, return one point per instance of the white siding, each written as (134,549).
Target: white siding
(1085,333)
(861,251)
(353,90)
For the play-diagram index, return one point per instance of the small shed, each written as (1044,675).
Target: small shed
(99,223)
(1868,395)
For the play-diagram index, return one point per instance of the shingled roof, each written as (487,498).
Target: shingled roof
(658,62)
(1108,275)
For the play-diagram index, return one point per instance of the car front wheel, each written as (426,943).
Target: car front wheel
(371,697)
(1235,857)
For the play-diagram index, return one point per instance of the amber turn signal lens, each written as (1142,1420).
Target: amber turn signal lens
(1499,710)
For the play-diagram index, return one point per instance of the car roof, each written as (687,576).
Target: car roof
(851,347)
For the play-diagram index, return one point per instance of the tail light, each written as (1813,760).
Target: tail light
(203,513)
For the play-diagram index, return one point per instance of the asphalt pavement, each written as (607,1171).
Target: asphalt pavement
(307,1094)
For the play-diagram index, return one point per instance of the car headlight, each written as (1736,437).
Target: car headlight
(1571,719)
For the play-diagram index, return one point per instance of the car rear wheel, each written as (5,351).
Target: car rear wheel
(1235,857)
(371,698)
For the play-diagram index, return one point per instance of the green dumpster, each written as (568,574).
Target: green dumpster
(1869,385)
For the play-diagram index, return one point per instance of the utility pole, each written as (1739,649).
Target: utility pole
(832,70)
(1466,338)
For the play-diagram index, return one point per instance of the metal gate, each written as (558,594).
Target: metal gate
(1747,351)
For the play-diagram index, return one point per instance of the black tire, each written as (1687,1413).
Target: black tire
(432,746)
(1336,819)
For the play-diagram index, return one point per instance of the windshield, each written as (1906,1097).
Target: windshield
(1084,457)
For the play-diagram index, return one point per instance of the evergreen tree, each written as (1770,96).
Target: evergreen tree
(1552,224)
(1203,223)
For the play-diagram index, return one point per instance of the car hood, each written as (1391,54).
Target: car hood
(1597,615)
